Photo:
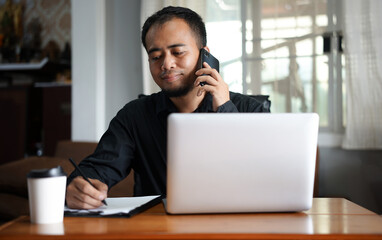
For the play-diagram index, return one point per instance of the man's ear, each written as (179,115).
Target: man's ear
(205,47)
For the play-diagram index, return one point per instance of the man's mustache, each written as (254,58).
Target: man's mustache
(169,73)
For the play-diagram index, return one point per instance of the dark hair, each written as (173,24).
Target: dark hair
(194,21)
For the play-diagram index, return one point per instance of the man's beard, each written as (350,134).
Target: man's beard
(179,92)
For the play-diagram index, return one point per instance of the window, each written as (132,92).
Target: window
(276,48)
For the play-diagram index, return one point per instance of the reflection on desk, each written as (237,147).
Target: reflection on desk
(296,223)
(50,229)
(328,219)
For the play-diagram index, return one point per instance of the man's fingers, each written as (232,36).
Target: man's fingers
(81,201)
(78,200)
(80,194)
(89,192)
(214,84)
(100,186)
(212,72)
(207,75)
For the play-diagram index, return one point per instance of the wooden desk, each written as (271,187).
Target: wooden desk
(329,218)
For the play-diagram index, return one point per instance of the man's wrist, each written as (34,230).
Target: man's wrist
(227,107)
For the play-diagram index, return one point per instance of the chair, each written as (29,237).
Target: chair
(66,149)
(264,100)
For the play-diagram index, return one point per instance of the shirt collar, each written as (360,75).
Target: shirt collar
(164,104)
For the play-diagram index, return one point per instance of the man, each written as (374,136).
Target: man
(136,137)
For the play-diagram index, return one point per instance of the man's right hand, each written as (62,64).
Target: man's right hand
(81,195)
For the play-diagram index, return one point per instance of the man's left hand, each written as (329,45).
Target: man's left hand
(214,84)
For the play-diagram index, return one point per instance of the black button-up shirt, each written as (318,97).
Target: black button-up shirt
(137,137)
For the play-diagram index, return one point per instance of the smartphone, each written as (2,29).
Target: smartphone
(207,57)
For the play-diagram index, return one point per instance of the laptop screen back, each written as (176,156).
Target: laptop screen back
(240,162)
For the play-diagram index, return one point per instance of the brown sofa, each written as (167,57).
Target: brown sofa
(13,181)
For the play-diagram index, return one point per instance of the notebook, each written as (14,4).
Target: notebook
(240,162)
(117,207)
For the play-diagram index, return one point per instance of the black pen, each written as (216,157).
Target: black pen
(83,175)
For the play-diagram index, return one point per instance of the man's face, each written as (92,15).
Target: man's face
(173,55)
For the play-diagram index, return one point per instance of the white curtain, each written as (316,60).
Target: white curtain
(148,7)
(363,51)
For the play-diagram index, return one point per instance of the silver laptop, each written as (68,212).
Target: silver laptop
(240,162)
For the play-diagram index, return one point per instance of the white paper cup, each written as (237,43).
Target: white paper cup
(46,190)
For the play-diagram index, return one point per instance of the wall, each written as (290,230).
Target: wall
(105,63)
(87,78)
(123,55)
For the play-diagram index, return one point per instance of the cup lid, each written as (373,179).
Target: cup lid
(47,172)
